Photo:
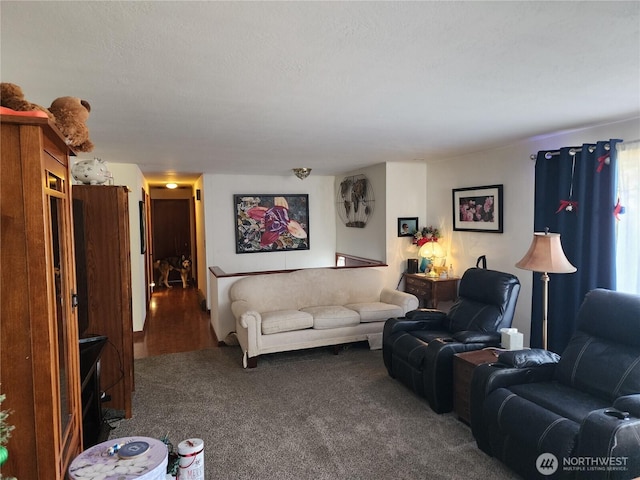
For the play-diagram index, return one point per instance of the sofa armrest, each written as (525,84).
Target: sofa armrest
(243,313)
(628,403)
(405,300)
(489,339)
(527,358)
(248,327)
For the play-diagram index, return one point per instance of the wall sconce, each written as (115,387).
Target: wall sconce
(301,173)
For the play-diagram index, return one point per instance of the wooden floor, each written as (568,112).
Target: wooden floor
(175,323)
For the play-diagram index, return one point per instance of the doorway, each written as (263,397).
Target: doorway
(173,233)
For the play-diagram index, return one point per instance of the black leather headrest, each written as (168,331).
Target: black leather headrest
(487,286)
(612,315)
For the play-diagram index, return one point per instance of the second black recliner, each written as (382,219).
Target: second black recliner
(418,349)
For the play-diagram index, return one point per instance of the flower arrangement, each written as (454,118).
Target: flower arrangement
(425,235)
(5,433)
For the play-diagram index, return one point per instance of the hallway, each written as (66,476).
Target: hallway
(175,323)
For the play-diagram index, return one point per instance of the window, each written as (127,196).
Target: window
(628,234)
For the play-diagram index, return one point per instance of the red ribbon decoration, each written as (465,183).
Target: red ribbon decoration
(617,210)
(567,205)
(602,161)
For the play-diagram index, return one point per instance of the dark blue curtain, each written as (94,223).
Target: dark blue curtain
(575,197)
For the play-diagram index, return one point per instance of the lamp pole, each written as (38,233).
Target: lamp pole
(545,307)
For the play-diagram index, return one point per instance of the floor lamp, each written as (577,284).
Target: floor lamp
(545,255)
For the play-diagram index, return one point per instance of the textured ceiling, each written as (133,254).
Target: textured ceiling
(262,87)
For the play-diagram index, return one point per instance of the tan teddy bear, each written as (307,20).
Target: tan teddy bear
(71,114)
(12,96)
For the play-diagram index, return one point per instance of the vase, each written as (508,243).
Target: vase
(424,264)
(4,455)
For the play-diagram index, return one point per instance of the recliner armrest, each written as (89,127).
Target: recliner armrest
(489,339)
(395,325)
(527,358)
(421,319)
(605,434)
(628,403)
(426,314)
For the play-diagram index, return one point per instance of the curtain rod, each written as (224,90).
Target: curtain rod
(572,151)
(621,145)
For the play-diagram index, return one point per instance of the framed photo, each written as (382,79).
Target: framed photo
(143,227)
(271,223)
(478,209)
(407,226)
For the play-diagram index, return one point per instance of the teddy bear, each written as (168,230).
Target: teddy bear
(71,114)
(12,96)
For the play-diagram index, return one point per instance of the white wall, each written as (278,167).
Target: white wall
(406,197)
(511,166)
(219,220)
(370,241)
(201,243)
(131,176)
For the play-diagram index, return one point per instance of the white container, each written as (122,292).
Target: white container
(511,339)
(191,453)
(102,462)
(91,172)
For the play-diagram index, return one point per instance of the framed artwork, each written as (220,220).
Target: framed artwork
(407,226)
(143,227)
(478,209)
(271,223)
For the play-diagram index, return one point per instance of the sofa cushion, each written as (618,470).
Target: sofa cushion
(332,316)
(376,311)
(285,321)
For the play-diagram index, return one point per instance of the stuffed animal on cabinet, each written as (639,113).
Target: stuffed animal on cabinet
(12,96)
(71,114)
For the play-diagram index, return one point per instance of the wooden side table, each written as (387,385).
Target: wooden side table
(463,366)
(431,290)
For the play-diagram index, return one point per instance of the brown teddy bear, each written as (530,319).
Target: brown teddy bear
(71,114)
(11,96)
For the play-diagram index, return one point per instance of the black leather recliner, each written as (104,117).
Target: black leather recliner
(418,349)
(582,407)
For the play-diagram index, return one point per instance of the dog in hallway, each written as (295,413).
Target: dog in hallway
(165,265)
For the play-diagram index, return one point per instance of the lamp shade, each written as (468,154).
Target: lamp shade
(546,255)
(431,250)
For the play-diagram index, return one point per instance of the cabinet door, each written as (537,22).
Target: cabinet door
(63,315)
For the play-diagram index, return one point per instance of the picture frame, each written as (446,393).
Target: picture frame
(478,209)
(143,227)
(407,226)
(271,223)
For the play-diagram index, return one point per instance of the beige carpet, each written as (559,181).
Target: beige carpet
(301,415)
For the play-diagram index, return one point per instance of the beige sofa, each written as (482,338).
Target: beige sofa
(311,308)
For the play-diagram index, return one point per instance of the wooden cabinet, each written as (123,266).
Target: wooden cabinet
(104,284)
(39,359)
(463,366)
(431,290)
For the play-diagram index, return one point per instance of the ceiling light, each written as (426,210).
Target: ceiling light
(172,185)
(302,173)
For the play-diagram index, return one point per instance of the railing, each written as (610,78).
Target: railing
(342,261)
